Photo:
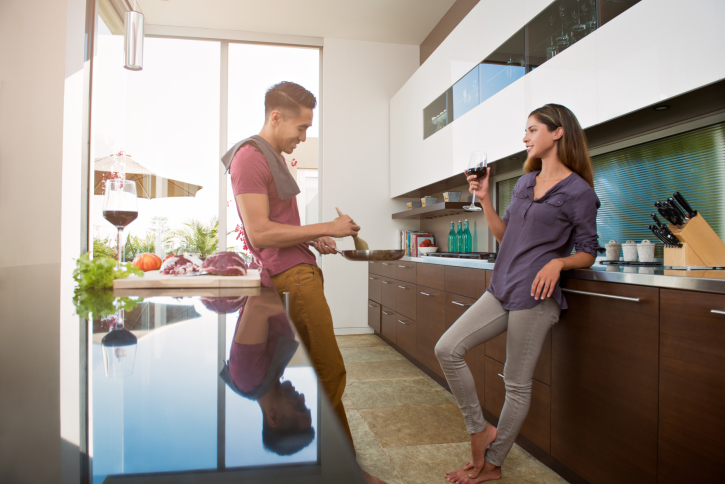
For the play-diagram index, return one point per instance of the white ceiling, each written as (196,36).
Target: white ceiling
(392,21)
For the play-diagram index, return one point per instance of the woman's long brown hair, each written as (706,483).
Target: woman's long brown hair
(573,149)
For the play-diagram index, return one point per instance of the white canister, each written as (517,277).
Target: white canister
(646,251)
(630,251)
(613,249)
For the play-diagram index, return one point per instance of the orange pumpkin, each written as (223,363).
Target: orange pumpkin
(147,262)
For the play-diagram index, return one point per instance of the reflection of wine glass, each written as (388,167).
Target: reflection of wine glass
(119,349)
(120,207)
(476,166)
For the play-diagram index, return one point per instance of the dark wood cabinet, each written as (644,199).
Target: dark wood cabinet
(406,335)
(496,349)
(431,275)
(406,271)
(389,292)
(375,288)
(464,281)
(692,387)
(537,426)
(389,269)
(375,268)
(406,299)
(430,325)
(389,324)
(374,316)
(604,396)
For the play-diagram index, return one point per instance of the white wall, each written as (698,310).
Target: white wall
(358,80)
(41,92)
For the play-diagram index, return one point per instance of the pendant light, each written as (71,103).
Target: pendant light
(133,40)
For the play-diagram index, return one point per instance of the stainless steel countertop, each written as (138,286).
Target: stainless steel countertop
(705,280)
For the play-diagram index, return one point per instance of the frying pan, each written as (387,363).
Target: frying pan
(369,255)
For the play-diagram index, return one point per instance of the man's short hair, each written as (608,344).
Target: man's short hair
(287,97)
(287,440)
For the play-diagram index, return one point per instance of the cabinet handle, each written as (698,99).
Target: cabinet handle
(403,322)
(500,375)
(403,287)
(460,304)
(386,282)
(373,278)
(717,311)
(385,264)
(370,306)
(387,314)
(426,294)
(608,296)
(404,267)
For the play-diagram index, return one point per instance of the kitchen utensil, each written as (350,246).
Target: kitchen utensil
(613,250)
(120,208)
(477,165)
(360,244)
(154,279)
(663,211)
(683,203)
(677,216)
(368,255)
(672,203)
(646,251)
(657,221)
(659,235)
(630,251)
(427,250)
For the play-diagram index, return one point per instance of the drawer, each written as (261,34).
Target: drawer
(375,288)
(405,337)
(431,275)
(455,307)
(375,268)
(496,349)
(537,426)
(406,271)
(389,293)
(374,315)
(464,281)
(405,303)
(389,269)
(430,326)
(388,323)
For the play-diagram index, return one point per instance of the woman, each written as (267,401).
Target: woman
(553,210)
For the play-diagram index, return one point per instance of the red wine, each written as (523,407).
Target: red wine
(479,171)
(120,218)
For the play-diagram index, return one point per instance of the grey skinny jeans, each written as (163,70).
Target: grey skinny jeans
(527,330)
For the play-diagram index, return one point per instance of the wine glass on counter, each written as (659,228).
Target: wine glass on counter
(120,207)
(476,166)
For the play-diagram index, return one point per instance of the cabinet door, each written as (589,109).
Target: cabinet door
(389,292)
(537,426)
(692,387)
(604,382)
(374,315)
(406,271)
(475,359)
(430,326)
(406,299)
(406,335)
(390,269)
(465,282)
(375,268)
(375,288)
(389,324)
(496,349)
(431,275)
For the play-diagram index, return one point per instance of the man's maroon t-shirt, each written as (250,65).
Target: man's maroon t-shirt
(251,174)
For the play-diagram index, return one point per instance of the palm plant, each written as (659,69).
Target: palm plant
(137,245)
(198,238)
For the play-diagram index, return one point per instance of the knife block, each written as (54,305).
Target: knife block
(701,246)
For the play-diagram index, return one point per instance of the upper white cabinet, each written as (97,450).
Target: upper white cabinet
(655,50)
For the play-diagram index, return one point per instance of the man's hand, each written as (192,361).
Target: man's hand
(545,280)
(343,226)
(325,245)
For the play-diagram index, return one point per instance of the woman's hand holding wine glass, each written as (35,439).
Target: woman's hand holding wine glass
(478,172)
(478,186)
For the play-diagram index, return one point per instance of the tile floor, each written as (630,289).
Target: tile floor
(406,427)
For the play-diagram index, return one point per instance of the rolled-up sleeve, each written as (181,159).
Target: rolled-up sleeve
(584,218)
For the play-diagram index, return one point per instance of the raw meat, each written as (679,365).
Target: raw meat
(225,264)
(180,264)
(224,305)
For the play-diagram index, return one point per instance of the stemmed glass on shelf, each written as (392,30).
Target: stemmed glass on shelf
(476,166)
(120,207)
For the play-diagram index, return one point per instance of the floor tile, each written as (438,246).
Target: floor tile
(522,467)
(419,425)
(347,401)
(359,340)
(353,354)
(428,463)
(377,463)
(382,370)
(394,393)
(362,436)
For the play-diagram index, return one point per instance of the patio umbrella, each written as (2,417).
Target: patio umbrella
(143,176)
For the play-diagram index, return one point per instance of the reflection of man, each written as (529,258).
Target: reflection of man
(263,346)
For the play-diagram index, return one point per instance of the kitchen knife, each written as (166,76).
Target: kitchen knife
(674,216)
(659,235)
(663,211)
(673,206)
(657,221)
(670,236)
(683,203)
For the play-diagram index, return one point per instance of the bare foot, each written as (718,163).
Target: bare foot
(371,479)
(479,443)
(489,472)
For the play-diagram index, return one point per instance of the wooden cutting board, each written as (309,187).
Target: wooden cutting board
(155,280)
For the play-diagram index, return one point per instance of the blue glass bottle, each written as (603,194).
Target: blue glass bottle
(452,247)
(467,239)
(459,237)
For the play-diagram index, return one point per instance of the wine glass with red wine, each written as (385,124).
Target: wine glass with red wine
(120,207)
(476,166)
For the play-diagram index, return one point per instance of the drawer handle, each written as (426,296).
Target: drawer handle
(608,296)
(373,278)
(461,304)
(370,306)
(500,375)
(426,294)
(403,322)
(386,282)
(717,311)
(404,267)
(387,314)
(385,264)
(403,287)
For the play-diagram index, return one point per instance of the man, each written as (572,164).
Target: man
(265,194)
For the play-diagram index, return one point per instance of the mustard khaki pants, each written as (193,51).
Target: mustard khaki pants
(311,316)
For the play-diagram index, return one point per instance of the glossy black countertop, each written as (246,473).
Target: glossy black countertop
(166,403)
(705,280)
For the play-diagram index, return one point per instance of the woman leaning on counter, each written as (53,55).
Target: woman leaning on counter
(552,211)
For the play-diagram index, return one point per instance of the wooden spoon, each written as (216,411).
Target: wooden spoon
(360,244)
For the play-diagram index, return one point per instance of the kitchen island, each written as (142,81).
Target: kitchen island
(633,370)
